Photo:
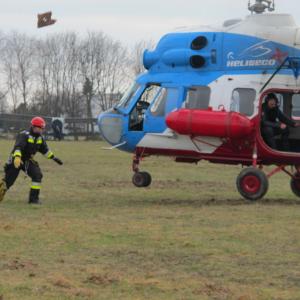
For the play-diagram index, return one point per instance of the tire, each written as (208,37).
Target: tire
(252,184)
(141,179)
(148,179)
(295,184)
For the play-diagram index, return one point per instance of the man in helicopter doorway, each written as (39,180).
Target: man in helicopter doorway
(27,144)
(274,122)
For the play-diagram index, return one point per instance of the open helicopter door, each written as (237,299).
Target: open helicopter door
(286,138)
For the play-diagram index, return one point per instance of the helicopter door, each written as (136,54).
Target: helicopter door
(164,102)
(137,114)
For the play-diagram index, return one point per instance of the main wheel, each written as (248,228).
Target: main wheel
(295,184)
(141,179)
(252,184)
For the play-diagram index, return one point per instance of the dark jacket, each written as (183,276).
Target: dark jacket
(28,144)
(273,117)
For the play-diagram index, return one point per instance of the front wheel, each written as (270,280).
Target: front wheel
(252,184)
(141,179)
(295,184)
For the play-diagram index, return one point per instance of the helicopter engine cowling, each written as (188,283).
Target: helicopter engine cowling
(221,124)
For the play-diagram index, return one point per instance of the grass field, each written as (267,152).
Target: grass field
(188,236)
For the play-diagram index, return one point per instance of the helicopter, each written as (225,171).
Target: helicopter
(202,94)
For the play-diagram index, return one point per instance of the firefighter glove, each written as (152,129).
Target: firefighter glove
(57,160)
(17,162)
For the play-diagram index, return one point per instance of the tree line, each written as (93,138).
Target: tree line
(65,74)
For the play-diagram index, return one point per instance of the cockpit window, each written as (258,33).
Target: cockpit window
(150,93)
(197,97)
(128,95)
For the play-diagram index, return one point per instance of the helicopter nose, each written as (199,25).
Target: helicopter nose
(110,126)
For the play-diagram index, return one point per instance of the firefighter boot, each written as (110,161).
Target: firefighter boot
(3,189)
(34,196)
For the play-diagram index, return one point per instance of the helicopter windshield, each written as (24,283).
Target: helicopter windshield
(128,95)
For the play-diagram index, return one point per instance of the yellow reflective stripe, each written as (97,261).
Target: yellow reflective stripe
(36,185)
(17,153)
(49,154)
(39,141)
(30,140)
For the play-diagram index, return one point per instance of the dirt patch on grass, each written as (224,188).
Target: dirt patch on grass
(217,202)
(101,279)
(187,184)
(71,288)
(121,183)
(199,202)
(17,264)
(7,227)
(83,293)
(213,291)
(103,184)
(280,201)
(245,297)
(62,282)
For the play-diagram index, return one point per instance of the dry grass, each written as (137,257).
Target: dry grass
(188,236)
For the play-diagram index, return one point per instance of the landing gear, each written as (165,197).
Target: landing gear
(295,184)
(141,179)
(252,184)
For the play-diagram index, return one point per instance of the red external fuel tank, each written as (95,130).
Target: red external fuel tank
(221,124)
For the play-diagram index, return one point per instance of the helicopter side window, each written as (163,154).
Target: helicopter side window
(296,106)
(137,114)
(197,97)
(158,107)
(242,101)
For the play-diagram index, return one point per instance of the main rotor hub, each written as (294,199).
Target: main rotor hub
(261,6)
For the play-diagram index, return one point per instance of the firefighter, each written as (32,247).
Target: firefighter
(28,143)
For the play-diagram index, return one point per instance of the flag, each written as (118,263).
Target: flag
(45,19)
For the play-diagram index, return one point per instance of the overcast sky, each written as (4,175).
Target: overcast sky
(126,20)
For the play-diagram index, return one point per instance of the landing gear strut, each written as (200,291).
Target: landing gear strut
(295,184)
(139,179)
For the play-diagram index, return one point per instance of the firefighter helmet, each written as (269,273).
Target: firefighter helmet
(38,122)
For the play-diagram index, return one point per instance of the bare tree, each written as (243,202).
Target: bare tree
(3,85)
(44,90)
(103,61)
(18,61)
(58,74)
(88,92)
(91,63)
(113,76)
(50,75)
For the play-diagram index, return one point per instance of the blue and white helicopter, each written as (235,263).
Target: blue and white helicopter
(202,95)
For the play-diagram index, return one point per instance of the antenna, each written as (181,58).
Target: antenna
(260,6)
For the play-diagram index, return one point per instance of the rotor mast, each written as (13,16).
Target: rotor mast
(260,6)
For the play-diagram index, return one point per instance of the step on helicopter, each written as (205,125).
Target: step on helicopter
(202,98)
